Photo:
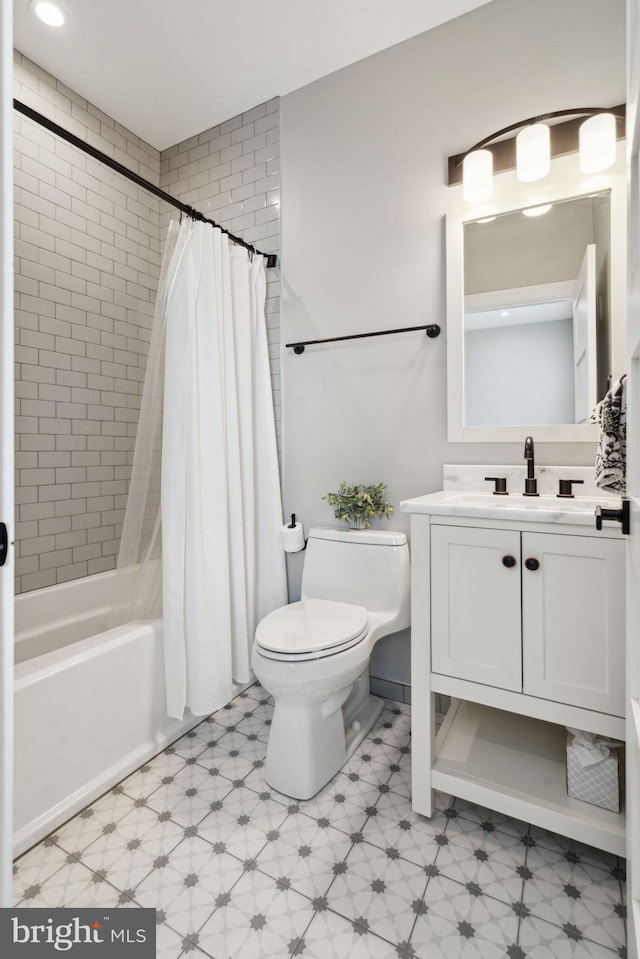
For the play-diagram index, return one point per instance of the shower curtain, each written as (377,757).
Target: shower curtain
(201,536)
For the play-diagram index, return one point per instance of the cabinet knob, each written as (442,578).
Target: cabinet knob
(508,561)
(532,564)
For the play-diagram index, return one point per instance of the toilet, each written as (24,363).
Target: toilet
(313,655)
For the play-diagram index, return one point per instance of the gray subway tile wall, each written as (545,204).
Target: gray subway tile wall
(230,173)
(87,258)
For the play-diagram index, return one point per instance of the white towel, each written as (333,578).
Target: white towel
(611,455)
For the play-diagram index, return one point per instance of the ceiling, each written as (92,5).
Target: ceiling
(548,312)
(169,69)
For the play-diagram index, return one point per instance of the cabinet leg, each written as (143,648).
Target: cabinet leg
(422,754)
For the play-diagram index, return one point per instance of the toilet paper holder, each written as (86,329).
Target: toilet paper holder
(292,525)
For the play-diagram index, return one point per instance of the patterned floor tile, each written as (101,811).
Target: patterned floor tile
(186,883)
(459,923)
(305,854)
(73,885)
(243,822)
(393,726)
(576,895)
(491,861)
(479,814)
(256,781)
(578,850)
(214,762)
(258,919)
(235,713)
(239,871)
(144,780)
(128,853)
(35,867)
(394,827)
(542,940)
(442,800)
(190,795)
(169,944)
(203,738)
(379,894)
(345,804)
(373,763)
(258,723)
(258,693)
(330,936)
(237,755)
(97,819)
(400,779)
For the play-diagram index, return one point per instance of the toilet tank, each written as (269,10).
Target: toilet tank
(369,568)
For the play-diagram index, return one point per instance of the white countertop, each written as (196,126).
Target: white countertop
(466,492)
(579,511)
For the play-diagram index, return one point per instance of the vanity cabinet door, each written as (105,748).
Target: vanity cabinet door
(573,606)
(475,605)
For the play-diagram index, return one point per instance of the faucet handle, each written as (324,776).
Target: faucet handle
(564,488)
(501,484)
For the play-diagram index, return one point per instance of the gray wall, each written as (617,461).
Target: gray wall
(87,257)
(363,167)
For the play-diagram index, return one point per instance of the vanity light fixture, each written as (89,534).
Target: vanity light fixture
(536,143)
(477,176)
(598,143)
(533,152)
(49,13)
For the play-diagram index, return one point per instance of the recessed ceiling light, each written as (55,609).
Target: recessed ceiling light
(504,313)
(537,210)
(486,219)
(49,13)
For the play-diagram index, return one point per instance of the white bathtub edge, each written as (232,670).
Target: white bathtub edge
(53,818)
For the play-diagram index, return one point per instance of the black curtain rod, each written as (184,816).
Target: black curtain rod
(48,124)
(432,330)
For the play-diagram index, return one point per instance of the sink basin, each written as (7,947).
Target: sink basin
(578,504)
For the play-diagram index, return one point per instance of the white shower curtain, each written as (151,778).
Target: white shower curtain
(222,561)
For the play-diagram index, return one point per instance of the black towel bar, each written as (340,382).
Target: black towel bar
(432,330)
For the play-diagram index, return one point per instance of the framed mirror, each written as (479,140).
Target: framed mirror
(535,312)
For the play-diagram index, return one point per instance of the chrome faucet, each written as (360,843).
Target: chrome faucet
(530,483)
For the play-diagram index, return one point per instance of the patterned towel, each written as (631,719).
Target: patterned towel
(611,455)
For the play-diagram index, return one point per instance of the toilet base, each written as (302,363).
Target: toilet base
(362,722)
(317,746)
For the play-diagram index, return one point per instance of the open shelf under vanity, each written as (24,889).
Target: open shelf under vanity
(516,765)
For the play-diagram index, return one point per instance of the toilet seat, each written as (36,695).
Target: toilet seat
(311,629)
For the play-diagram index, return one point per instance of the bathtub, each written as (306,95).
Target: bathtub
(89,702)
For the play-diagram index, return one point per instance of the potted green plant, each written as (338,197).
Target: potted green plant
(358,505)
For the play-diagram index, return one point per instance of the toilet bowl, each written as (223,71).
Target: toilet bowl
(313,655)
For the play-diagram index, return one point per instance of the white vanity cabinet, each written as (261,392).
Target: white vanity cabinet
(475,607)
(518,616)
(573,620)
(539,613)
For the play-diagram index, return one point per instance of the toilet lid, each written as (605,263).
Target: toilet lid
(311,626)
